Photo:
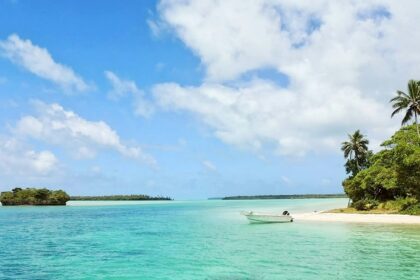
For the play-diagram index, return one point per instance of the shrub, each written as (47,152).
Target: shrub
(371,204)
(359,205)
(412,210)
(399,204)
(407,203)
(365,204)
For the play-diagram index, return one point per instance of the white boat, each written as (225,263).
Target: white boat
(255,217)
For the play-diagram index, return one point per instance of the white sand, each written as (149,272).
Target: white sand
(358,218)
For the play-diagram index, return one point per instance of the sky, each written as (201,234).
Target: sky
(197,99)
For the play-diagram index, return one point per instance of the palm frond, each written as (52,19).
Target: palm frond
(407,101)
(407,117)
(413,89)
(396,111)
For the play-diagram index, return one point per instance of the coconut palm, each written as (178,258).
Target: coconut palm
(409,102)
(356,150)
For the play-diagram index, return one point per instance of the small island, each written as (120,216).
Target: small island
(284,196)
(33,196)
(44,197)
(121,197)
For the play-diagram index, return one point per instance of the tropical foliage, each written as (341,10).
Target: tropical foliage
(357,153)
(389,179)
(283,196)
(391,174)
(410,102)
(33,196)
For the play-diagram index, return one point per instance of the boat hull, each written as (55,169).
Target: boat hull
(268,218)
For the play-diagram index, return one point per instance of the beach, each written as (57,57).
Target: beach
(358,218)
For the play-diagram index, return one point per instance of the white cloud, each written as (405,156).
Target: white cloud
(344,60)
(55,125)
(229,36)
(121,88)
(39,61)
(209,165)
(261,112)
(16,159)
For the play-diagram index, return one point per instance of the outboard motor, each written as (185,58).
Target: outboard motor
(286,213)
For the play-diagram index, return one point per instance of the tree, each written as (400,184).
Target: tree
(404,150)
(409,102)
(357,153)
(32,196)
(42,194)
(16,190)
(393,172)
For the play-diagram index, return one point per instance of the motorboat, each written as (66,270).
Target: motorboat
(258,217)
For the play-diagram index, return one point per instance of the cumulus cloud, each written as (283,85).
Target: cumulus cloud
(229,36)
(39,61)
(53,124)
(16,159)
(343,60)
(262,112)
(122,88)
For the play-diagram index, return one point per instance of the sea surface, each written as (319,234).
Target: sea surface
(199,240)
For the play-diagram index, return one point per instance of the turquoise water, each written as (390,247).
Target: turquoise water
(199,240)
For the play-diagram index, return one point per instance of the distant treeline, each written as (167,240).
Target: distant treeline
(120,197)
(284,196)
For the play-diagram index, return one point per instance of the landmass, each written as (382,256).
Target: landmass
(386,182)
(121,197)
(43,196)
(33,196)
(284,196)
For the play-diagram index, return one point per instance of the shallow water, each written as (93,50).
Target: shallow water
(199,240)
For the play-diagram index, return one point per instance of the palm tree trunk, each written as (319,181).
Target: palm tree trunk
(356,157)
(417,126)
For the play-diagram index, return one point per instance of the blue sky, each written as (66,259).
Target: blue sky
(168,98)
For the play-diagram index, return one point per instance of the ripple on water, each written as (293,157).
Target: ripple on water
(199,240)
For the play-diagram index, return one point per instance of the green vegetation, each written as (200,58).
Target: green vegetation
(409,102)
(397,206)
(33,196)
(392,176)
(352,210)
(121,197)
(388,181)
(357,153)
(285,196)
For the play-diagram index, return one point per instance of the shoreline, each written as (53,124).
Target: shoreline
(358,218)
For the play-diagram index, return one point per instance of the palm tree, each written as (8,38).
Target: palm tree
(410,102)
(356,149)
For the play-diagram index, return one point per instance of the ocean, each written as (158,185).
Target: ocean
(199,240)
